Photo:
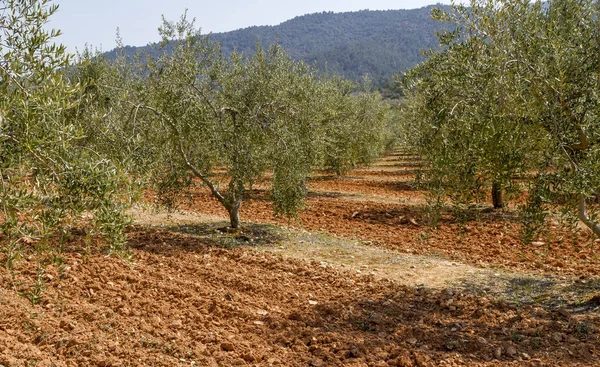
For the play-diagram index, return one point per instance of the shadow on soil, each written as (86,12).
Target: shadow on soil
(389,173)
(399,164)
(550,292)
(383,321)
(394,185)
(327,194)
(193,237)
(399,215)
(324,177)
(419,329)
(386,322)
(404,155)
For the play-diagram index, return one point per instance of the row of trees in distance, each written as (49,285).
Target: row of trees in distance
(193,114)
(80,139)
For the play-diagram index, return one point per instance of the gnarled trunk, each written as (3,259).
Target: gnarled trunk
(497,198)
(234,214)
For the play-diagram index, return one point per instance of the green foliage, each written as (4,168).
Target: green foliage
(228,122)
(512,98)
(104,114)
(357,126)
(34,293)
(49,182)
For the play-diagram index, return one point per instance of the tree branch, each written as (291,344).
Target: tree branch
(583,141)
(583,216)
(206,99)
(183,155)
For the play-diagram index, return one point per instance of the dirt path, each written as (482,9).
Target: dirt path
(433,272)
(407,269)
(371,221)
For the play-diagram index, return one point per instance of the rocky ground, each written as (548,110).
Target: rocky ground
(358,280)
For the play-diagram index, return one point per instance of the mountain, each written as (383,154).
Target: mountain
(352,44)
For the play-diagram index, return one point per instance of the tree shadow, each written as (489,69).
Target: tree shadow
(199,236)
(418,215)
(379,321)
(394,216)
(322,177)
(552,293)
(328,194)
(419,327)
(481,213)
(400,164)
(390,173)
(395,185)
(585,293)
(403,155)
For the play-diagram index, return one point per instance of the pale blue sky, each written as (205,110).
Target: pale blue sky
(95,21)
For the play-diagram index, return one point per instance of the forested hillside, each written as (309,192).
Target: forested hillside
(352,44)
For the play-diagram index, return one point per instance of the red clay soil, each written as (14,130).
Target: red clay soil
(380,205)
(387,186)
(185,303)
(491,240)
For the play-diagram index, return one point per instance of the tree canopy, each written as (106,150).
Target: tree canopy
(49,182)
(229,121)
(511,101)
(351,45)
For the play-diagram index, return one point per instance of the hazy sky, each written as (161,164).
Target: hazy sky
(95,21)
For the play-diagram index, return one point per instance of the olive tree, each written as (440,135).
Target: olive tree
(513,93)
(47,179)
(103,112)
(227,121)
(356,125)
(463,124)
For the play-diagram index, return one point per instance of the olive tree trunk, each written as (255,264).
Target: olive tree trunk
(497,198)
(234,214)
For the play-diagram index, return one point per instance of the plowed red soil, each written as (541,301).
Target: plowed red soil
(401,227)
(380,205)
(184,302)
